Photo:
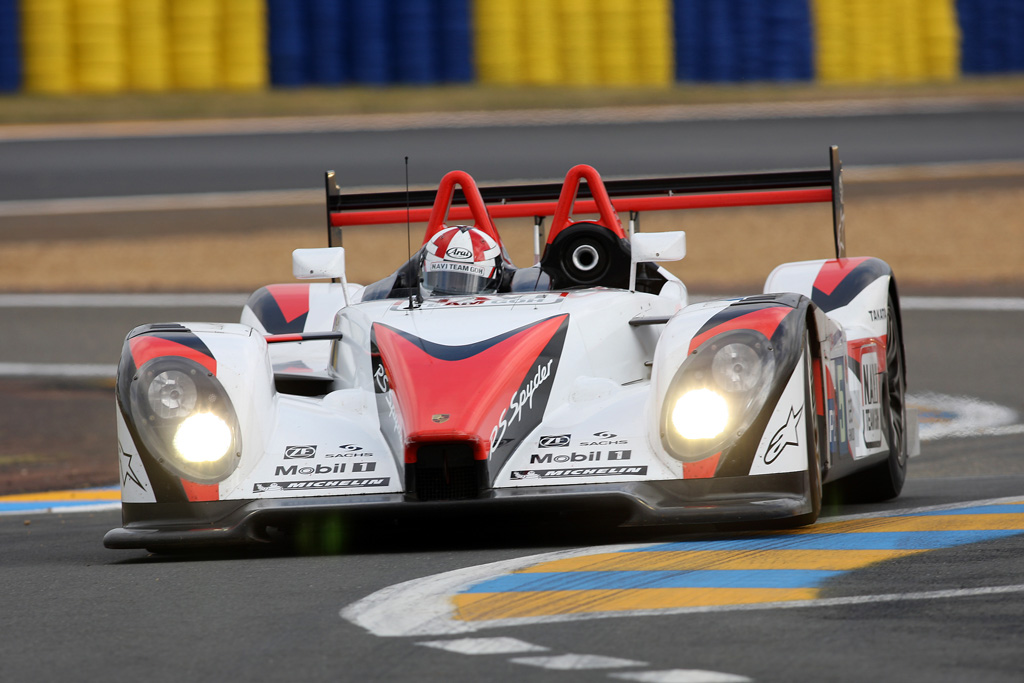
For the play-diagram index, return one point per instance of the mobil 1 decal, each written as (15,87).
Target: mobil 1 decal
(527,404)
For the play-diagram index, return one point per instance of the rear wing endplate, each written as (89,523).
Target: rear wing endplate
(652,194)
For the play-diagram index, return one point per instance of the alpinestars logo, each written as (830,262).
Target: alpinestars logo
(787,435)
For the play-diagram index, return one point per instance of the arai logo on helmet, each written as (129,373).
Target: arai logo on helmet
(459,253)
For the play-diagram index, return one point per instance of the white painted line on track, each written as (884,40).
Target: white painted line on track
(171,300)
(161,202)
(575,662)
(484,646)
(58,370)
(966,303)
(354,123)
(680,676)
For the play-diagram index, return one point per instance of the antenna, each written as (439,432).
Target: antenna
(408,234)
(408,228)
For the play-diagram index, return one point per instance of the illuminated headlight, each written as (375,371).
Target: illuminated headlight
(717,393)
(203,437)
(700,414)
(185,419)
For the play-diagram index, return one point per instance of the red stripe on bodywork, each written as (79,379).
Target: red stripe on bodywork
(200,492)
(292,299)
(471,392)
(146,347)
(834,272)
(765,321)
(702,469)
(589,206)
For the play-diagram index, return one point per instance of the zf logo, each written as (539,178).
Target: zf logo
(555,441)
(303,452)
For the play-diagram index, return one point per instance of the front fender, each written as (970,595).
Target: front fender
(774,326)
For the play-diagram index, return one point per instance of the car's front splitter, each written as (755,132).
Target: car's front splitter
(719,502)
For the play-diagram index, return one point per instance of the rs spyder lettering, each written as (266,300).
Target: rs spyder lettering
(521,400)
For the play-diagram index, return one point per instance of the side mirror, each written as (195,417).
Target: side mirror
(658,246)
(654,246)
(317,264)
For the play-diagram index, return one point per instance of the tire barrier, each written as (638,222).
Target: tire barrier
(10,46)
(897,41)
(103,46)
(106,46)
(993,35)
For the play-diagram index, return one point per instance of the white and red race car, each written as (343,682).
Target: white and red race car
(586,381)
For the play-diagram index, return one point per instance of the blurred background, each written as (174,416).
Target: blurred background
(111,46)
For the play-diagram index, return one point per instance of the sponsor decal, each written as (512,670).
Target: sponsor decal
(533,299)
(270,486)
(870,381)
(363,467)
(349,454)
(293,470)
(787,435)
(448,267)
(606,439)
(877,314)
(299,452)
(636,470)
(440,417)
(460,253)
(558,441)
(521,400)
(592,456)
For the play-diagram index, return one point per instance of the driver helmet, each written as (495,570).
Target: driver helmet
(460,260)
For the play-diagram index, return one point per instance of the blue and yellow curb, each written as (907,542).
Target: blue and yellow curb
(76,500)
(761,568)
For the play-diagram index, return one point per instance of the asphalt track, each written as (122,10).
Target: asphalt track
(952,612)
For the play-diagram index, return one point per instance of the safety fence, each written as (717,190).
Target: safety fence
(68,46)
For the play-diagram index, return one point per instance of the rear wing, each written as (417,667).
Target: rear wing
(467,202)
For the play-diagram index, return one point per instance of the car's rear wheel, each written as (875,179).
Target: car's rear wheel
(884,480)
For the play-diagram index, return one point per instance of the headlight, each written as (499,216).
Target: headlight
(172,394)
(716,394)
(700,414)
(185,419)
(202,437)
(737,367)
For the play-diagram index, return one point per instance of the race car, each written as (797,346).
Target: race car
(586,381)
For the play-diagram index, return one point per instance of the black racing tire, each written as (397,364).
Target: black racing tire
(884,480)
(814,485)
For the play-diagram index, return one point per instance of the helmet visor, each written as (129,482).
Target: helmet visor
(458,278)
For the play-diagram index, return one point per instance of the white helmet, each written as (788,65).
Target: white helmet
(460,260)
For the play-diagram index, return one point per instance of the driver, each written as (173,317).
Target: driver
(460,260)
